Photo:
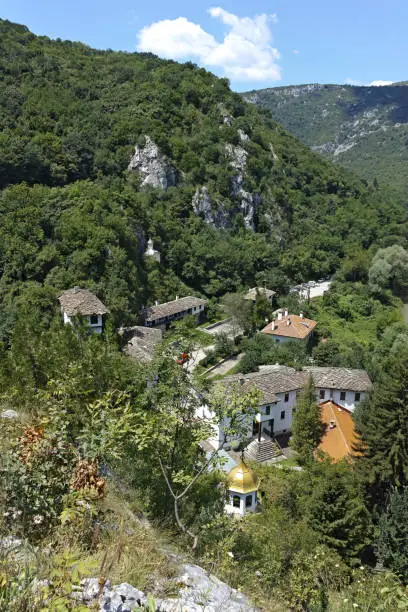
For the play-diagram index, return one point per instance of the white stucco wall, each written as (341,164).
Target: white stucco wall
(243,508)
(96,327)
(334,394)
(280,425)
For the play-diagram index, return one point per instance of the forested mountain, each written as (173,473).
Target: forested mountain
(229,196)
(364,129)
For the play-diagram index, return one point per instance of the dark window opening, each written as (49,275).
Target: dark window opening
(248,500)
(94,319)
(342,396)
(236,501)
(268,410)
(286,397)
(282,415)
(357,397)
(322,393)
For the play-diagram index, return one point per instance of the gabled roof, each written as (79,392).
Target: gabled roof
(161,311)
(273,379)
(78,301)
(339,436)
(291,326)
(269,381)
(262,291)
(348,379)
(142,342)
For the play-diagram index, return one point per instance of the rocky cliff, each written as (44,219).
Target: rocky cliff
(364,129)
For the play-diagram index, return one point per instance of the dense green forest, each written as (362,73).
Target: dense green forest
(361,128)
(73,214)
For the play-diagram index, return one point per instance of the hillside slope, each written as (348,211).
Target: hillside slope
(100,149)
(364,129)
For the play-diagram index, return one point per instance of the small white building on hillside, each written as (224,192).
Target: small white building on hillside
(242,490)
(151,251)
(78,302)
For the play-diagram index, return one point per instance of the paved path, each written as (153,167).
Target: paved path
(228,327)
(197,356)
(224,367)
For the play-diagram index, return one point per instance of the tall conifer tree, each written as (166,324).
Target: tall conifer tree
(382,424)
(307,426)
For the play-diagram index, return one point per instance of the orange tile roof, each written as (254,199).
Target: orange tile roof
(298,327)
(339,440)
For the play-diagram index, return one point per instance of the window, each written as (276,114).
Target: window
(342,396)
(286,397)
(293,410)
(322,393)
(268,410)
(357,397)
(94,319)
(248,501)
(282,415)
(236,501)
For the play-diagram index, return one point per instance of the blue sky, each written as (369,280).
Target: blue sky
(255,43)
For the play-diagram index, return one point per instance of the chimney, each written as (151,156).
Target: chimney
(288,322)
(332,424)
(156,303)
(279,316)
(286,313)
(301,315)
(273,326)
(177,297)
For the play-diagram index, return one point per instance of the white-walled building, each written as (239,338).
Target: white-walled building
(162,315)
(290,327)
(242,490)
(280,386)
(78,302)
(151,251)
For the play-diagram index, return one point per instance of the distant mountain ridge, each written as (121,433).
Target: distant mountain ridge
(363,128)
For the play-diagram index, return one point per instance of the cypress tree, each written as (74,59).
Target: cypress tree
(392,541)
(307,425)
(382,424)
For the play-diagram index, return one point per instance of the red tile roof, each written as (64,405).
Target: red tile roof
(291,326)
(340,435)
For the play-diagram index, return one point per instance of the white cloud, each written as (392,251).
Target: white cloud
(296,51)
(381,83)
(378,83)
(244,54)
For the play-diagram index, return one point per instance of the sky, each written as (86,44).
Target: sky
(254,43)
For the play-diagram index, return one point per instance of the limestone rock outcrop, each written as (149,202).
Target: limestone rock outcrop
(153,167)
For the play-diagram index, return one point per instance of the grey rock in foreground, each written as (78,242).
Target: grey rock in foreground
(9,414)
(153,167)
(201,592)
(204,592)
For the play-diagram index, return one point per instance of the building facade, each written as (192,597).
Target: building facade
(162,315)
(78,302)
(280,386)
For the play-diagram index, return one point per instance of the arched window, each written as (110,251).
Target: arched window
(236,501)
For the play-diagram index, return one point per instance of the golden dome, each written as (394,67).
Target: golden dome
(242,479)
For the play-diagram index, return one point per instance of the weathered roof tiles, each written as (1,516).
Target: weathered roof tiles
(78,301)
(162,311)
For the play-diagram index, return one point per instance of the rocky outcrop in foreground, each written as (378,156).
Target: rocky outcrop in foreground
(199,592)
